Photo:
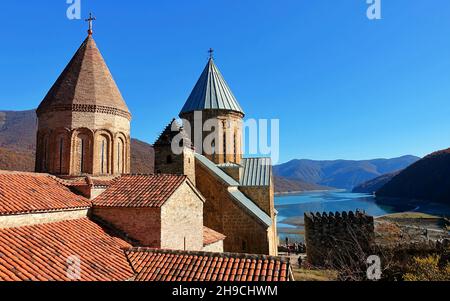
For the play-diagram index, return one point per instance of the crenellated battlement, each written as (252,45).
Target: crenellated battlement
(330,235)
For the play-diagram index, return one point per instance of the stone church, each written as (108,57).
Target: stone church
(239,191)
(219,201)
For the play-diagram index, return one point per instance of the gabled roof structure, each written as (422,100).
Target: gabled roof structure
(137,191)
(233,190)
(31,193)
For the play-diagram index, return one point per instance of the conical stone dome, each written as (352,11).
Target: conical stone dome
(85,83)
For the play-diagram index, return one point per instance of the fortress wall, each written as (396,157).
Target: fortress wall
(337,236)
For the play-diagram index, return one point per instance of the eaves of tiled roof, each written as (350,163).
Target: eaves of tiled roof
(168,265)
(137,191)
(22,193)
(210,236)
(43,252)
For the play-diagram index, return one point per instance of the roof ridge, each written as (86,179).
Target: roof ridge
(153,175)
(140,191)
(283,259)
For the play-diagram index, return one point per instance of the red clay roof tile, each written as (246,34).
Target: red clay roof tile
(210,236)
(166,265)
(28,193)
(41,252)
(140,191)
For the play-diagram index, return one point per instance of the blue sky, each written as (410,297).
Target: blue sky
(342,86)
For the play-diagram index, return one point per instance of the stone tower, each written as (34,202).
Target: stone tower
(170,161)
(212,99)
(83,121)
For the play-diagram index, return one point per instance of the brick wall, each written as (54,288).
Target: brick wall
(93,128)
(141,224)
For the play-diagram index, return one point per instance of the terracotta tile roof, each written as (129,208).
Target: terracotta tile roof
(40,253)
(165,265)
(140,191)
(27,193)
(210,236)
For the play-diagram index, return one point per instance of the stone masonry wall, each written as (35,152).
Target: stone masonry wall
(334,236)
(21,220)
(167,162)
(182,221)
(216,247)
(245,234)
(263,196)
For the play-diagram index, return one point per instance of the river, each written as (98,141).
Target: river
(291,208)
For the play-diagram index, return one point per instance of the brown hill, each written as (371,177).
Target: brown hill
(16,160)
(375,184)
(18,130)
(18,142)
(427,179)
(283,185)
(142,157)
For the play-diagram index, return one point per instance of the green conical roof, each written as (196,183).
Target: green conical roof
(211,93)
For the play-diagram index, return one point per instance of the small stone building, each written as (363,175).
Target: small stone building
(158,211)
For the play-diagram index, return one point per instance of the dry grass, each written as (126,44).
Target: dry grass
(301,274)
(409,215)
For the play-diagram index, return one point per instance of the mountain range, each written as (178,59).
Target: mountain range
(18,142)
(427,179)
(374,185)
(18,139)
(283,185)
(342,174)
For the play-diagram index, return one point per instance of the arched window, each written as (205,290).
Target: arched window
(235,147)
(59,159)
(224,141)
(61,152)
(120,156)
(83,155)
(45,155)
(104,154)
(213,149)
